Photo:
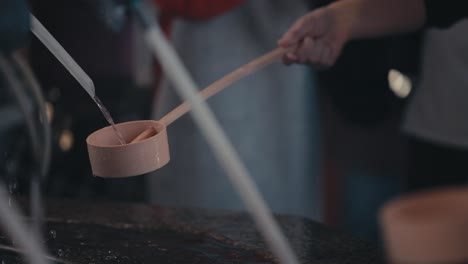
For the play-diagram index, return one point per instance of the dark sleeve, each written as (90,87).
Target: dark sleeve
(440,13)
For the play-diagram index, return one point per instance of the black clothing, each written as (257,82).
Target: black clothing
(443,14)
(433,165)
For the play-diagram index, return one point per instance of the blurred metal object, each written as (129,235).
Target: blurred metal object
(41,142)
(32,249)
(33,83)
(14,24)
(46,147)
(24,102)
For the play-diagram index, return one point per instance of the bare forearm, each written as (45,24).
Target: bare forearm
(319,36)
(370,18)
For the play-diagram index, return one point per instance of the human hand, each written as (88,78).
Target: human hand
(319,37)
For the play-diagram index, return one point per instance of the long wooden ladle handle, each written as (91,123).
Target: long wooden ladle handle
(226,81)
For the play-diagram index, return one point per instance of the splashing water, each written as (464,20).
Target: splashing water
(11,190)
(12,187)
(70,64)
(53,233)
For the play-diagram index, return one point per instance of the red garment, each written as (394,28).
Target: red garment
(196,9)
(189,9)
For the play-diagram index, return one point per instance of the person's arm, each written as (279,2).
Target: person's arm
(371,18)
(320,35)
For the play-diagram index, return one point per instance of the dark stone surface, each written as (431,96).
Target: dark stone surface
(91,232)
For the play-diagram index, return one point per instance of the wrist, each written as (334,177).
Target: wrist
(344,19)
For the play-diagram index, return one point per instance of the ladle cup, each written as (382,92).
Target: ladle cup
(148,149)
(427,227)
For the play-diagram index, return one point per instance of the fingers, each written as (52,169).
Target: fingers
(317,39)
(304,26)
(289,58)
(310,36)
(311,51)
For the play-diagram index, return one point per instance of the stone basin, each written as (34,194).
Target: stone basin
(101,232)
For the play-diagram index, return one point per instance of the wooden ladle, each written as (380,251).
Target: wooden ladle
(427,227)
(148,149)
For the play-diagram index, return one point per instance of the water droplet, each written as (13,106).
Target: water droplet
(110,257)
(10,188)
(60,253)
(9,201)
(53,233)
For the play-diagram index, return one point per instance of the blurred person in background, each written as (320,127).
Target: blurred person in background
(435,116)
(322,34)
(270,116)
(359,117)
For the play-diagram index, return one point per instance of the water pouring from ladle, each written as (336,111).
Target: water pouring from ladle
(148,149)
(75,70)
